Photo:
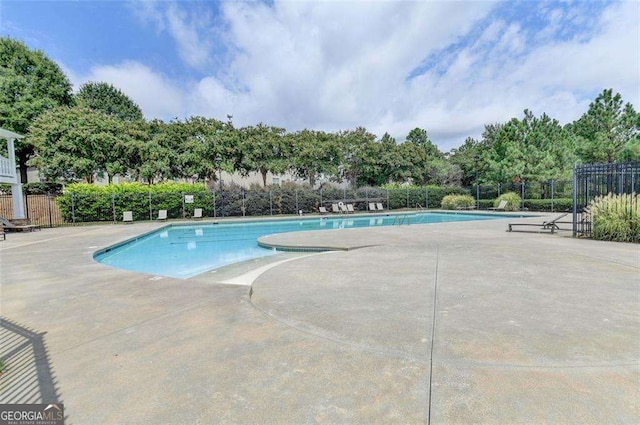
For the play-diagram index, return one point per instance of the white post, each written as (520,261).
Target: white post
(16,188)
(12,157)
(16,195)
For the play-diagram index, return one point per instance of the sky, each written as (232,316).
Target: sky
(449,67)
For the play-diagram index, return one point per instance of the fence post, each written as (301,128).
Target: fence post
(150,209)
(499,189)
(575,201)
(184,215)
(366,197)
(270,202)
(407,196)
(321,196)
(73,209)
(426,197)
(297,207)
(26,203)
(49,206)
(344,194)
(244,209)
(388,206)
(522,191)
(113,206)
(553,193)
(214,203)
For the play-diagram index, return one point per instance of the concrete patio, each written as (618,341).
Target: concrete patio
(447,324)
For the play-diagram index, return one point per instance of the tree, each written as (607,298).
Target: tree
(463,157)
(608,131)
(77,144)
(262,149)
(356,155)
(531,149)
(313,153)
(146,156)
(30,84)
(419,137)
(106,98)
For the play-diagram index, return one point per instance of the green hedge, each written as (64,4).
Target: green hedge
(37,188)
(560,204)
(453,202)
(91,203)
(427,196)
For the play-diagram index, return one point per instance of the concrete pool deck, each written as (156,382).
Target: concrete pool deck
(445,323)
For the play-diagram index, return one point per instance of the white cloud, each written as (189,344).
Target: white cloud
(156,95)
(338,65)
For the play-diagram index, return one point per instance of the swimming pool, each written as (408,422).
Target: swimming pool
(183,251)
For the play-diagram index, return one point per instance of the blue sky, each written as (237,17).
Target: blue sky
(447,66)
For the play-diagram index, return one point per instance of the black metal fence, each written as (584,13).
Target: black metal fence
(592,181)
(51,210)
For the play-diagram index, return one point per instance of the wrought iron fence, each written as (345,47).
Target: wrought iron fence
(591,181)
(40,209)
(51,210)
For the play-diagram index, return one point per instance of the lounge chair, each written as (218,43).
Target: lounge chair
(335,208)
(343,208)
(380,207)
(197,213)
(501,206)
(372,206)
(322,210)
(551,225)
(162,214)
(12,227)
(350,209)
(127,217)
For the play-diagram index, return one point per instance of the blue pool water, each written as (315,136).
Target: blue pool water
(183,251)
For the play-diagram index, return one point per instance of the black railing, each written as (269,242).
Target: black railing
(52,210)
(592,181)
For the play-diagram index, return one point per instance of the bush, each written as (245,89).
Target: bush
(426,196)
(36,188)
(616,218)
(454,202)
(513,201)
(560,204)
(91,203)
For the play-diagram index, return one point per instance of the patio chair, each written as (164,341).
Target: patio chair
(127,216)
(551,225)
(350,209)
(12,227)
(322,210)
(162,214)
(343,208)
(335,208)
(372,206)
(501,206)
(197,213)
(380,207)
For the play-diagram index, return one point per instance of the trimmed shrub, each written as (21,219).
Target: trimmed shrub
(513,201)
(560,204)
(616,218)
(454,202)
(91,203)
(425,196)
